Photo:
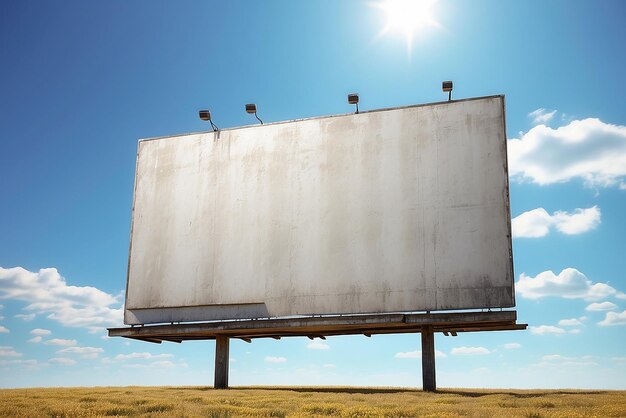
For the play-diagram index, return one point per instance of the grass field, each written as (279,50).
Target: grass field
(307,402)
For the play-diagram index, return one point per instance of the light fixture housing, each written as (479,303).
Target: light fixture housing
(446,86)
(251,109)
(353,98)
(205,115)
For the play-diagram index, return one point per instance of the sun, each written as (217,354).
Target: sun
(407,17)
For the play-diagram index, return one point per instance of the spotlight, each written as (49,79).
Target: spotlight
(353,98)
(251,108)
(446,86)
(206,116)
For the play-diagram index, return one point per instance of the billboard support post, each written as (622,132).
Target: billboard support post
(376,324)
(428,359)
(221,362)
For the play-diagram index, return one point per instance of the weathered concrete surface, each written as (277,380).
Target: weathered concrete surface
(395,210)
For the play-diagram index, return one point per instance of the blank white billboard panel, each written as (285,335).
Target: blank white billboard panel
(403,209)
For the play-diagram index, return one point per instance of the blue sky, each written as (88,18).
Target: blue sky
(82,81)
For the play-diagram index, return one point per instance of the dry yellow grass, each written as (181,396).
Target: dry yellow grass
(307,402)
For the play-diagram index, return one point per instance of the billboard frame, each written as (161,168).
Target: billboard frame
(207,312)
(321,326)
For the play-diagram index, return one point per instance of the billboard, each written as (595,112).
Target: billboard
(393,210)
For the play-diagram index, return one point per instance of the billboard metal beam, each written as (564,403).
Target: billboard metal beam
(326,326)
(368,325)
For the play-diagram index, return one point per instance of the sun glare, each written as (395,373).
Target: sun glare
(407,17)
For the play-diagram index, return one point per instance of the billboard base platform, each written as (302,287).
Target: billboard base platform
(448,323)
(324,326)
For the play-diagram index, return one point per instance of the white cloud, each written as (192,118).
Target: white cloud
(36,339)
(4,330)
(140,356)
(41,331)
(512,346)
(418,354)
(62,360)
(95,330)
(573,322)
(554,357)
(546,330)
(557,360)
(6,351)
(469,351)
(60,341)
(613,318)
(26,317)
(46,292)
(602,306)
(272,359)
(538,222)
(582,220)
(570,284)
(541,116)
(84,352)
(534,223)
(18,362)
(318,345)
(164,364)
(329,366)
(621,361)
(409,354)
(587,149)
